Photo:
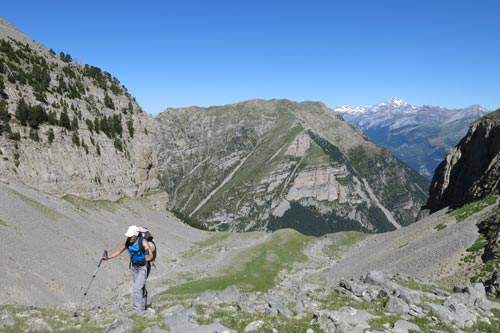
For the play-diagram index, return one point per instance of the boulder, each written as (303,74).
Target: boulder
(396,305)
(403,326)
(376,278)
(254,326)
(121,325)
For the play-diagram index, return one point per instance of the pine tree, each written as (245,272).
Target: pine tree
(108,102)
(117,124)
(130,126)
(97,125)
(74,124)
(64,120)
(36,116)
(104,126)
(22,111)
(4,112)
(76,139)
(50,135)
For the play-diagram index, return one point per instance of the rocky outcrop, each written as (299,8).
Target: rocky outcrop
(470,170)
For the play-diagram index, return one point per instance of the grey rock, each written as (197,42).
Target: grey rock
(183,320)
(121,325)
(299,308)
(254,326)
(353,317)
(38,325)
(476,291)
(396,305)
(376,278)
(229,295)
(440,292)
(452,313)
(416,311)
(168,312)
(276,303)
(403,326)
(410,296)
(205,298)
(353,287)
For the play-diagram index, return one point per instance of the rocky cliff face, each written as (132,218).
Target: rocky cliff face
(269,164)
(70,128)
(470,170)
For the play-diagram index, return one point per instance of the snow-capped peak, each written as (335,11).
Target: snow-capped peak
(349,109)
(394,105)
(397,102)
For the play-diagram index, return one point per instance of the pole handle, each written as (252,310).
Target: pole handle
(105,254)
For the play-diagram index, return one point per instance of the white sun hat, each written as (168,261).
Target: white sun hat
(133,230)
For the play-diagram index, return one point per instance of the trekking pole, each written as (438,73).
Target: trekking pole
(105,254)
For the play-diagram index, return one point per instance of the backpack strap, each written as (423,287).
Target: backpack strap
(141,248)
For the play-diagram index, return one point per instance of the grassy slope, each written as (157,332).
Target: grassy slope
(254,269)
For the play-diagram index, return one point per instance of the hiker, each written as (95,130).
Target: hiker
(140,255)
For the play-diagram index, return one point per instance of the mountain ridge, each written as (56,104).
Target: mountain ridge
(293,145)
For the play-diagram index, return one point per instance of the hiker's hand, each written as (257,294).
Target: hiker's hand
(104,257)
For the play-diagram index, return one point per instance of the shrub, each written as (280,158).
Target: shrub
(34,135)
(108,102)
(36,116)
(16,136)
(130,127)
(74,124)
(22,111)
(90,124)
(50,135)
(76,139)
(118,144)
(64,120)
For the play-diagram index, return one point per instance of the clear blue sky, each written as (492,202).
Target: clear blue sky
(359,52)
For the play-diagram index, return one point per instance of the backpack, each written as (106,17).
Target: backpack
(152,245)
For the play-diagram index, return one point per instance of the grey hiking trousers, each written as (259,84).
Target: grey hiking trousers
(140,294)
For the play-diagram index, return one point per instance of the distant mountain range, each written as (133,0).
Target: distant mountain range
(417,135)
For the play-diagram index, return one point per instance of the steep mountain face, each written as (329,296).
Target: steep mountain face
(260,165)
(70,128)
(419,136)
(471,170)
